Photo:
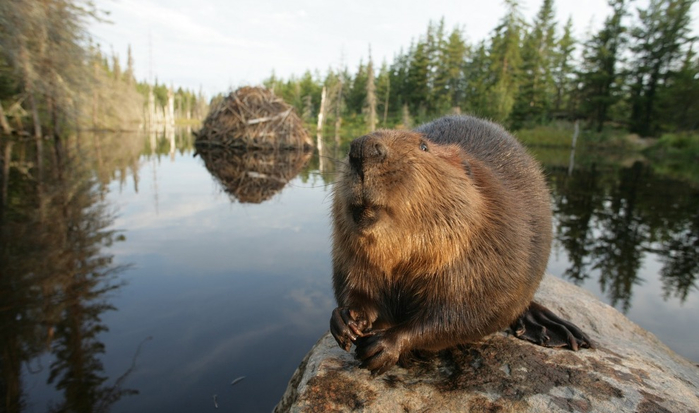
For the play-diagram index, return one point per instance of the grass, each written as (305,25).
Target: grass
(676,145)
(676,155)
(560,134)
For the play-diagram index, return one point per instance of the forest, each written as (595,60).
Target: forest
(638,73)
(54,79)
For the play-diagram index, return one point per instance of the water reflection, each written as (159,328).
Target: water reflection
(612,218)
(54,225)
(253,176)
(233,289)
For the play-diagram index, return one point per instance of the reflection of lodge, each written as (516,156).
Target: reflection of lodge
(253,176)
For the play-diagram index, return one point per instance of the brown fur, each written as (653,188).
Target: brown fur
(439,247)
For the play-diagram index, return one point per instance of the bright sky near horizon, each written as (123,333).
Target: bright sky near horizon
(218,45)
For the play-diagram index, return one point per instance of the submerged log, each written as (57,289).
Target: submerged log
(253,118)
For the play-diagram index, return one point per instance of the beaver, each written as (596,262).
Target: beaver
(441,236)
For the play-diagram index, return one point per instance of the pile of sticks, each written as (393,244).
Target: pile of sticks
(253,118)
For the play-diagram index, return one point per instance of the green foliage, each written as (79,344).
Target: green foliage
(505,60)
(554,135)
(536,84)
(658,39)
(678,101)
(525,75)
(356,94)
(599,75)
(563,72)
(54,79)
(676,145)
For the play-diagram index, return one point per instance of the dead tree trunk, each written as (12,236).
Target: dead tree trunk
(371,96)
(338,113)
(6,129)
(321,115)
(385,105)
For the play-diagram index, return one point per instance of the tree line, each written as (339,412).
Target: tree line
(54,78)
(639,72)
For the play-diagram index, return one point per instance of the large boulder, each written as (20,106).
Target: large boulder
(630,370)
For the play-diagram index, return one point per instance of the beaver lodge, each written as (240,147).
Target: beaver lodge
(253,176)
(253,118)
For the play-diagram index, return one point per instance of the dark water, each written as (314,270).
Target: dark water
(132,282)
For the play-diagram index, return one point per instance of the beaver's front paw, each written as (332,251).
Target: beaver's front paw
(347,324)
(379,350)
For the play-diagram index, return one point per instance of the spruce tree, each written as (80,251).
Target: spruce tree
(370,95)
(679,100)
(418,90)
(478,78)
(536,86)
(662,31)
(356,96)
(450,71)
(599,75)
(563,71)
(505,64)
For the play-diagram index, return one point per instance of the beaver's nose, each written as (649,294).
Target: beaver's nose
(366,149)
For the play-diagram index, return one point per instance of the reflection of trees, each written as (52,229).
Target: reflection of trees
(578,199)
(678,238)
(253,176)
(680,256)
(618,250)
(608,219)
(53,227)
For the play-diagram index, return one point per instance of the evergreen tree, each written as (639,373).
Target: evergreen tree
(478,78)
(679,99)
(418,90)
(398,78)
(383,92)
(356,96)
(505,64)
(528,77)
(438,80)
(658,39)
(310,89)
(563,70)
(536,86)
(599,73)
(450,71)
(370,95)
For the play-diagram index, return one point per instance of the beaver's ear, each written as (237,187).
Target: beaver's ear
(467,167)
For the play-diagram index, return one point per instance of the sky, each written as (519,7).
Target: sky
(219,45)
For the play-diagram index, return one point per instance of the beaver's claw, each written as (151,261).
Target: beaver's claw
(378,351)
(346,325)
(541,326)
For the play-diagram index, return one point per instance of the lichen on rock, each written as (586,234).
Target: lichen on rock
(630,370)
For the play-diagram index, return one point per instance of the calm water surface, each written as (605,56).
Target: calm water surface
(136,277)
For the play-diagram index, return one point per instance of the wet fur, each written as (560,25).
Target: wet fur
(440,247)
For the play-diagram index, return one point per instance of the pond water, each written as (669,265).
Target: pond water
(138,277)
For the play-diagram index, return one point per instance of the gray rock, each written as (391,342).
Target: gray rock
(630,370)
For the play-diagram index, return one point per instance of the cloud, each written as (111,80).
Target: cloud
(169,22)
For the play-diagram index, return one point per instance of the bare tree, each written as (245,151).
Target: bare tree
(371,95)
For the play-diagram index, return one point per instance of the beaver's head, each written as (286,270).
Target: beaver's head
(401,176)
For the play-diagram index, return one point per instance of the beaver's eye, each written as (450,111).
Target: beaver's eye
(423,146)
